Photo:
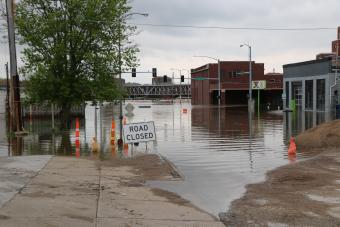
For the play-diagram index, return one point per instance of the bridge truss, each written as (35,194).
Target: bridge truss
(154,91)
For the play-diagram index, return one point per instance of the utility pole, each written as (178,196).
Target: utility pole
(188,81)
(7,89)
(120,31)
(172,88)
(250,78)
(219,81)
(120,140)
(180,87)
(15,105)
(8,110)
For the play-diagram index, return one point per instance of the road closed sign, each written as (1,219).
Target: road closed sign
(139,132)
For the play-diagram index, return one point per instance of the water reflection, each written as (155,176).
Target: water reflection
(299,121)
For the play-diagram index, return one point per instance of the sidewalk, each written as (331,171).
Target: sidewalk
(16,172)
(80,192)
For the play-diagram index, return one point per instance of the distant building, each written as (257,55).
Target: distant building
(3,83)
(132,84)
(120,81)
(312,85)
(234,84)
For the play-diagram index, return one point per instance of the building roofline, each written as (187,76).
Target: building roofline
(308,62)
(206,66)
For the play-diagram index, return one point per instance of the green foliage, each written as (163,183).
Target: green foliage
(71,50)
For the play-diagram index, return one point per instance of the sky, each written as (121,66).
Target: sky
(168,48)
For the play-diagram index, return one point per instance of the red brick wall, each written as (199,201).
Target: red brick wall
(200,92)
(201,89)
(334,47)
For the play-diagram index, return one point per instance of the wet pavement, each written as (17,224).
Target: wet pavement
(15,172)
(219,151)
(82,192)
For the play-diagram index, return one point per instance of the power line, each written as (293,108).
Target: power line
(234,28)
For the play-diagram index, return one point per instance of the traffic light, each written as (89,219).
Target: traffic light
(154,72)
(165,79)
(182,78)
(133,72)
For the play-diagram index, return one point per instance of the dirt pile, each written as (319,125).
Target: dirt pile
(300,194)
(326,135)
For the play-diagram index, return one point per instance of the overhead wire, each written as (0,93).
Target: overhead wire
(234,28)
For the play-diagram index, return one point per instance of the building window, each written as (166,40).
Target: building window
(223,73)
(320,94)
(309,94)
(287,94)
(297,93)
(235,73)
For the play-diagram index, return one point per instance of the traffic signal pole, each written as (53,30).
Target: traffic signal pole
(180,88)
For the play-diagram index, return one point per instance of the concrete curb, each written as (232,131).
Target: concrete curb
(174,167)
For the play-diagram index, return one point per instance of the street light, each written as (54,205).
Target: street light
(219,75)
(180,84)
(250,77)
(189,72)
(120,140)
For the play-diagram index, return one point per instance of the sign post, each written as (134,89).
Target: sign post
(139,132)
(258,102)
(259,85)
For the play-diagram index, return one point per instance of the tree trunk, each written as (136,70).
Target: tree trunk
(65,117)
(65,145)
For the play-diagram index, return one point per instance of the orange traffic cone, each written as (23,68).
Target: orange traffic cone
(292,158)
(113,132)
(77,148)
(77,138)
(113,150)
(77,127)
(292,147)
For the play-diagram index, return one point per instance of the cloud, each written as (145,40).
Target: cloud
(166,48)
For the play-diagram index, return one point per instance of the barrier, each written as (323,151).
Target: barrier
(292,147)
(77,138)
(113,132)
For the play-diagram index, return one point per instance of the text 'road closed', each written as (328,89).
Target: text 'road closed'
(139,132)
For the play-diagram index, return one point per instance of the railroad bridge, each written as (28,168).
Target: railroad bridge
(157,91)
(154,91)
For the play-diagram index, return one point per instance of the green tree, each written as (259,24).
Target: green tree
(72,50)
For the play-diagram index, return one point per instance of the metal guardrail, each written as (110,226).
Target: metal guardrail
(46,110)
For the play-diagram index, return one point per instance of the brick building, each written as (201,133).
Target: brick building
(234,84)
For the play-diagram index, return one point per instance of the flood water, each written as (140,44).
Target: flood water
(219,151)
